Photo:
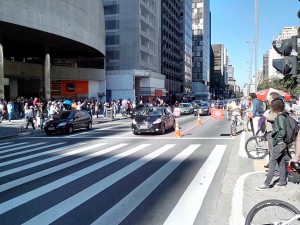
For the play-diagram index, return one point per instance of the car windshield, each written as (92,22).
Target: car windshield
(64,115)
(184,105)
(151,112)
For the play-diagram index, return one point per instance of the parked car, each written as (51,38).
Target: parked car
(204,109)
(135,110)
(156,119)
(186,108)
(68,121)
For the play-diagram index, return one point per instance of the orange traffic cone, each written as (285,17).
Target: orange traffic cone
(199,122)
(177,131)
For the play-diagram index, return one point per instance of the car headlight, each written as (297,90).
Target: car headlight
(133,122)
(62,124)
(157,121)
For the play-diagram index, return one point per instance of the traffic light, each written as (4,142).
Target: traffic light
(287,48)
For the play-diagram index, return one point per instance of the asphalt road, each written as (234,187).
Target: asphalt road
(110,176)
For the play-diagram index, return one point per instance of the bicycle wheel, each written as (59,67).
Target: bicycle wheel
(272,211)
(256,147)
(233,128)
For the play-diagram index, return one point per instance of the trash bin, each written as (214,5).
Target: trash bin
(109,113)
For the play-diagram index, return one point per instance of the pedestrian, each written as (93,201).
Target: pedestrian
(29,115)
(279,146)
(97,109)
(9,111)
(270,116)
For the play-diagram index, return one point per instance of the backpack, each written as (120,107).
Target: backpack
(262,106)
(292,129)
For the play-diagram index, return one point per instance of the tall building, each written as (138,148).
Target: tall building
(201,47)
(218,73)
(53,48)
(133,49)
(265,67)
(170,45)
(186,45)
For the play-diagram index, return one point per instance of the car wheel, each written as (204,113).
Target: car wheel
(195,114)
(70,129)
(135,132)
(48,133)
(162,128)
(89,127)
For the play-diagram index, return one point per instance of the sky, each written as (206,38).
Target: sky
(233,25)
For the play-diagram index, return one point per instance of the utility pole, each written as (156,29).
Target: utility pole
(256,42)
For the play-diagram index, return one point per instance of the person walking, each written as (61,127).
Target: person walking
(9,111)
(279,147)
(29,115)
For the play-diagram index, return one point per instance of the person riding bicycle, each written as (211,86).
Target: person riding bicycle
(236,110)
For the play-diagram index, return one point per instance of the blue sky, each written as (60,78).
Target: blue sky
(233,24)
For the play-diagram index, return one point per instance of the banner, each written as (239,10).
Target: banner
(217,113)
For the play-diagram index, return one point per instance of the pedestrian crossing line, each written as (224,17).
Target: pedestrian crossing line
(5,143)
(148,137)
(11,146)
(123,208)
(44,161)
(57,168)
(27,151)
(17,201)
(37,154)
(67,205)
(188,206)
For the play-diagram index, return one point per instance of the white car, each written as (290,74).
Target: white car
(186,108)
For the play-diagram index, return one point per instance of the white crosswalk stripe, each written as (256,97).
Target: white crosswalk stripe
(140,155)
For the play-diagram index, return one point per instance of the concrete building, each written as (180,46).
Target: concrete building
(51,48)
(265,67)
(170,45)
(201,47)
(186,45)
(133,43)
(218,73)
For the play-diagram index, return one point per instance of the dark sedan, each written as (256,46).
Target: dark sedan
(68,121)
(203,109)
(153,120)
(136,110)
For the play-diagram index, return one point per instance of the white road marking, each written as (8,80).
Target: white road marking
(35,155)
(144,137)
(186,210)
(55,212)
(17,201)
(43,144)
(242,151)
(6,143)
(236,217)
(124,207)
(12,147)
(54,169)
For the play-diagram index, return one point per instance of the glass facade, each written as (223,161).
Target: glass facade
(201,43)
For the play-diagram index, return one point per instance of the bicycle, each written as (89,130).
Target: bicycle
(274,211)
(235,123)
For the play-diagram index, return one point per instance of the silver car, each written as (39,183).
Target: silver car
(186,108)
(203,109)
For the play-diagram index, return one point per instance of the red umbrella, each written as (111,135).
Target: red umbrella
(265,94)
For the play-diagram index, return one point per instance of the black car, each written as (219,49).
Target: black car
(136,110)
(156,119)
(68,121)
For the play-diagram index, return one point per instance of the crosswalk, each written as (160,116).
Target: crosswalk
(52,182)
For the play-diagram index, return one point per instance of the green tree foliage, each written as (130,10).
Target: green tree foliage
(287,84)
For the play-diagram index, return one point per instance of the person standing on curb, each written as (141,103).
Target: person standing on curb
(279,147)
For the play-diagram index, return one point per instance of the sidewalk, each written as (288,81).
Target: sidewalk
(248,183)
(10,130)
